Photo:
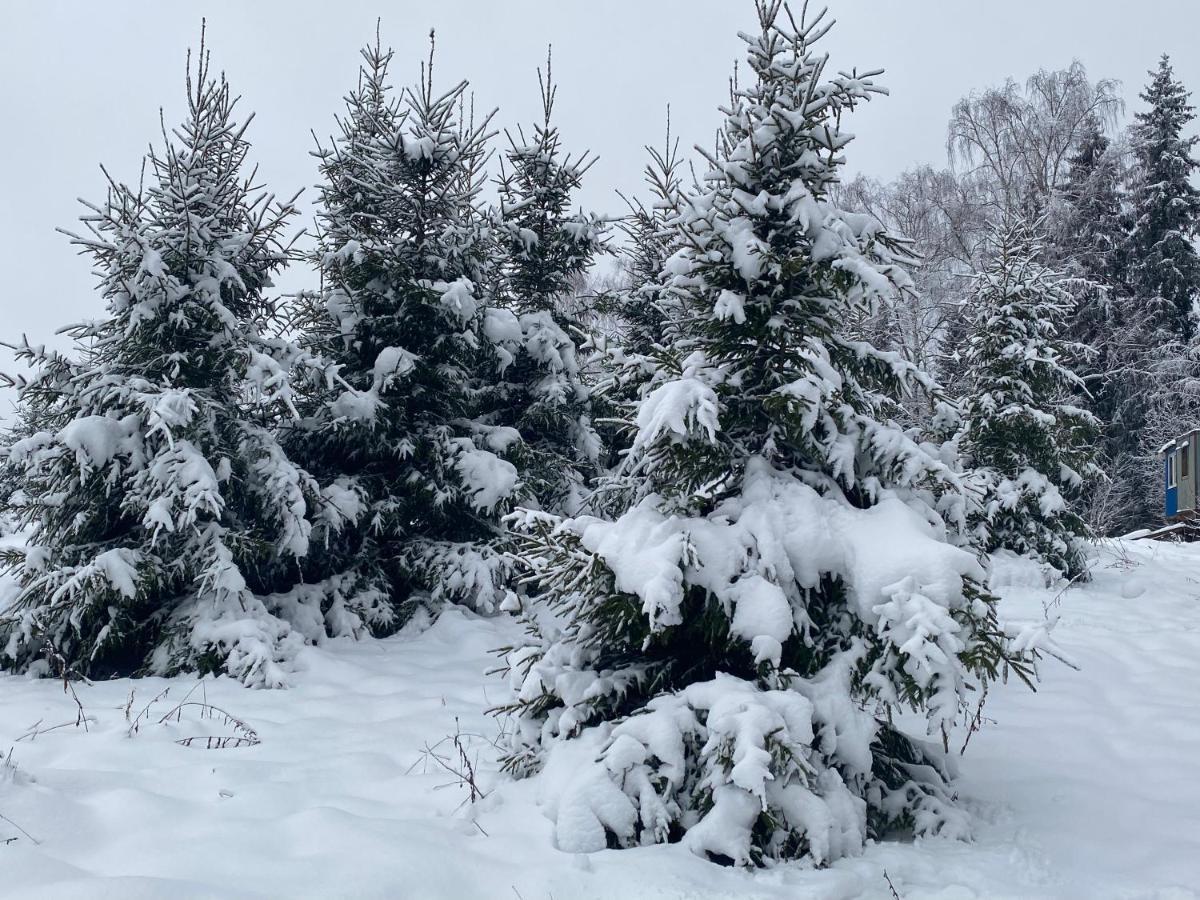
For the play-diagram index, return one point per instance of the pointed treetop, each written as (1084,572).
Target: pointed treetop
(547,86)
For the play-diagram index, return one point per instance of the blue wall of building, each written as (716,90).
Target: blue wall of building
(1172,492)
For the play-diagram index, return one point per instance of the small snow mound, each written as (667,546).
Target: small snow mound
(1011,571)
(1133,586)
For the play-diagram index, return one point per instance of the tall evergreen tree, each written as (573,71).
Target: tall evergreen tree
(628,360)
(162,511)
(1166,207)
(548,247)
(789,579)
(651,242)
(1164,278)
(402,252)
(1094,225)
(545,251)
(1031,446)
(1109,328)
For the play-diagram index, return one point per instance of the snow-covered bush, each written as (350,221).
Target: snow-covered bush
(741,640)
(161,510)
(1031,446)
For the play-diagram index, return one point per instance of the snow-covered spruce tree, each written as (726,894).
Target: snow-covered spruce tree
(650,243)
(401,251)
(1164,272)
(1092,240)
(544,250)
(1166,206)
(1030,446)
(626,359)
(1089,238)
(12,480)
(730,654)
(162,511)
(1093,222)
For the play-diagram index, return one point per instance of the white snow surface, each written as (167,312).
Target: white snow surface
(1087,789)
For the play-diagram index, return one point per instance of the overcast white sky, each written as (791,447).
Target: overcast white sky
(81,83)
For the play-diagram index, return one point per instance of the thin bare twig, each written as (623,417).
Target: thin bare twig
(244,735)
(20,829)
(135,725)
(462,765)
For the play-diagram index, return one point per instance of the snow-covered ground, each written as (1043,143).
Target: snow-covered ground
(1088,789)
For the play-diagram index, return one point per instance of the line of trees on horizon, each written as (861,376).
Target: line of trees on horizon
(1118,214)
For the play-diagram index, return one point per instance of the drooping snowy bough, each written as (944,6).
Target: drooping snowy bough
(738,644)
